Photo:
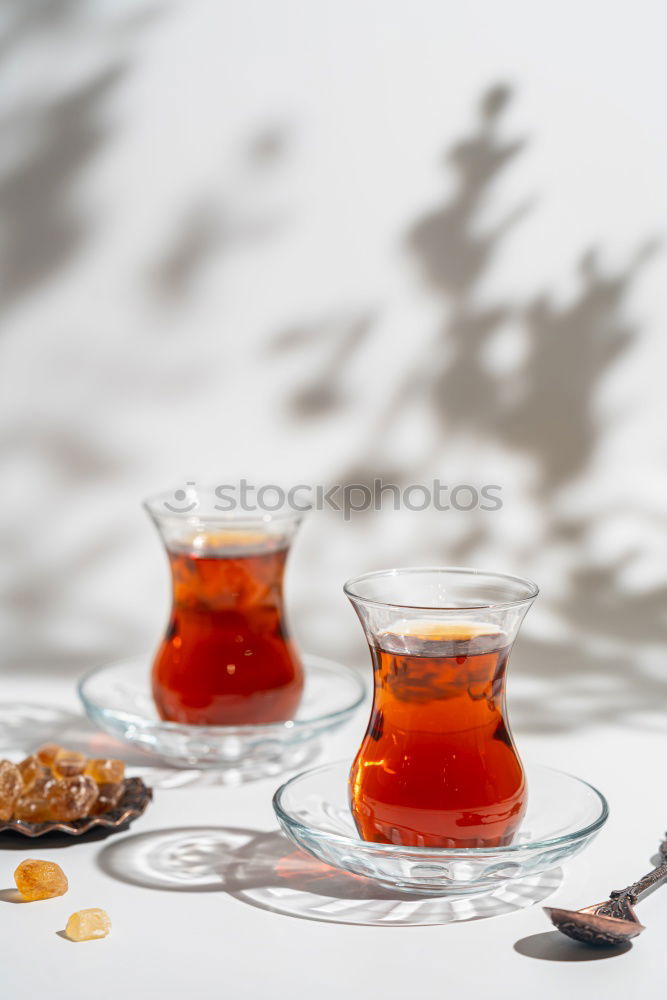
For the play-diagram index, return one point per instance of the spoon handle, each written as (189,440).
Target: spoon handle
(632,892)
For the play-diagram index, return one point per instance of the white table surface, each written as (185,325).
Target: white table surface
(208,940)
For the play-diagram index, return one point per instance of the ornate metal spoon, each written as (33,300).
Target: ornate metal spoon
(612,922)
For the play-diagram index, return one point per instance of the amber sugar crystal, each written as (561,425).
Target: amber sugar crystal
(11,787)
(31,768)
(40,880)
(56,784)
(32,810)
(106,771)
(71,798)
(46,754)
(108,797)
(88,925)
(42,784)
(68,763)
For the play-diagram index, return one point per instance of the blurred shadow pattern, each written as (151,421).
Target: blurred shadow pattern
(56,136)
(264,870)
(212,227)
(544,411)
(336,339)
(56,127)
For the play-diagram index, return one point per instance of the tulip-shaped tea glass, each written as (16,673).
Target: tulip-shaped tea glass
(227,657)
(438,766)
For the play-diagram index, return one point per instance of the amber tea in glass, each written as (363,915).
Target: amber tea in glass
(438,766)
(227,657)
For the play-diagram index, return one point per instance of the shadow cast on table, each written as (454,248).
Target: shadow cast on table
(264,870)
(11,895)
(26,725)
(11,840)
(550,946)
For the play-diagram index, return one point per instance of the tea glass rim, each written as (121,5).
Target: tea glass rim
(286,819)
(532,589)
(154,505)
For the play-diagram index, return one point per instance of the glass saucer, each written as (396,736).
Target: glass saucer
(564,813)
(118,699)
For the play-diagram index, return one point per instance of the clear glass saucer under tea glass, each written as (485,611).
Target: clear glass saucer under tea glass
(563,815)
(118,699)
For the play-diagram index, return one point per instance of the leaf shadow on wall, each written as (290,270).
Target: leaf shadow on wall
(58,134)
(58,126)
(212,227)
(544,413)
(63,538)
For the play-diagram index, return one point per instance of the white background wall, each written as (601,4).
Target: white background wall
(307,241)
